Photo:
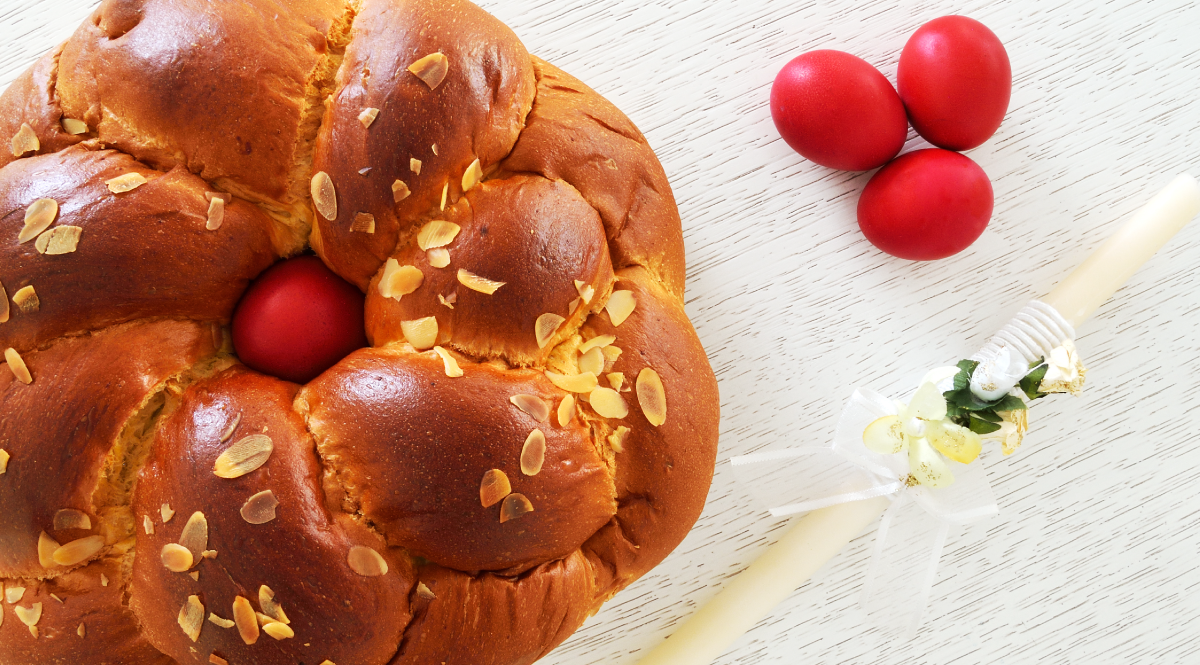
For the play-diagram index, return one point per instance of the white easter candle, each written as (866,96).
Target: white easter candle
(1115,261)
(753,593)
(819,535)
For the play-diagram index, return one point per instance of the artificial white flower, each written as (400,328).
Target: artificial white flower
(920,428)
(1065,372)
(995,376)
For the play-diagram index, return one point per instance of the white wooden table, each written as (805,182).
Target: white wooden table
(1096,554)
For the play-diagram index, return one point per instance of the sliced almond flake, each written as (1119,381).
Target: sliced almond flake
(398,281)
(514,506)
(208,554)
(620,305)
(477,283)
(176,558)
(422,592)
(431,69)
(81,631)
(438,258)
(574,383)
(17,365)
(597,342)
(367,117)
(218,621)
(586,291)
(191,617)
(611,353)
(421,333)
(545,327)
(103,579)
(533,453)
(233,425)
(651,396)
(214,659)
(74,128)
(59,240)
(245,456)
(125,183)
(26,299)
(363,223)
(617,439)
(69,518)
(566,410)
(38,217)
(437,233)
(4,457)
(29,615)
(434,148)
(451,365)
(195,575)
(366,561)
(445,194)
(472,177)
(55,597)
(166,512)
(592,361)
(195,535)
(616,380)
(278,631)
(260,508)
(324,195)
(271,608)
(4,312)
(148,525)
(574,305)
(494,487)
(608,403)
(400,191)
(25,141)
(14,594)
(448,302)
(244,619)
(216,214)
(535,406)
(78,551)
(414,165)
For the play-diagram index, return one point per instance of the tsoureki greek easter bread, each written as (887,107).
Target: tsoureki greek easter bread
(470,503)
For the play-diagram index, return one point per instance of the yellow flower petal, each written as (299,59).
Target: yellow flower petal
(927,465)
(958,443)
(883,436)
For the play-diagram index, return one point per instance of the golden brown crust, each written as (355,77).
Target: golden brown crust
(410,447)
(58,454)
(537,236)
(171,83)
(385,450)
(31,100)
(574,134)
(494,620)
(301,555)
(475,112)
(185,270)
(663,472)
(110,634)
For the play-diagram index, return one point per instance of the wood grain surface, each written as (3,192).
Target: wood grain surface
(1096,554)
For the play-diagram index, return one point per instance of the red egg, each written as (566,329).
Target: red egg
(838,111)
(955,80)
(297,319)
(925,205)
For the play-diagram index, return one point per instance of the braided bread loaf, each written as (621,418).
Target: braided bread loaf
(469,488)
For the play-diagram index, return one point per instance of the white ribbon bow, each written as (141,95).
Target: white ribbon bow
(913,531)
